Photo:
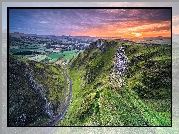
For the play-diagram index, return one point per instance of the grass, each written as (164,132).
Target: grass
(143,100)
(71,54)
(55,56)
(42,58)
(66,55)
(76,100)
(97,101)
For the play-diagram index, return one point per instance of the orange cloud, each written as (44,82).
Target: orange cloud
(130,29)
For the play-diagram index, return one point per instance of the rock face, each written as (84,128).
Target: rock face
(26,100)
(38,88)
(120,61)
(120,66)
(99,44)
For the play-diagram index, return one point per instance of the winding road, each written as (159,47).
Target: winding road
(58,118)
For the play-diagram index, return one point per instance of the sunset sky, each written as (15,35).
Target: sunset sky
(125,23)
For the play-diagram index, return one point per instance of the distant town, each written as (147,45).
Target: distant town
(57,43)
(48,48)
(51,48)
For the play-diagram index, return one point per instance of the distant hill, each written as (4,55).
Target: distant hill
(45,36)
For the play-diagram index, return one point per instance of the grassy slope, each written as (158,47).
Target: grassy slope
(97,101)
(55,56)
(49,76)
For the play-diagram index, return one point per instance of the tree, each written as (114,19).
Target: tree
(48,46)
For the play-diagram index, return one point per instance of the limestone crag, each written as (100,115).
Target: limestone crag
(120,66)
(120,62)
(27,101)
(39,88)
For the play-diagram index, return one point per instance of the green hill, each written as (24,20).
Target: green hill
(35,92)
(139,95)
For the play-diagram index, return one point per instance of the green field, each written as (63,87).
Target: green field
(71,54)
(42,58)
(52,56)
(19,50)
(66,55)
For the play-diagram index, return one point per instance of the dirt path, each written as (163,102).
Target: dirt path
(62,114)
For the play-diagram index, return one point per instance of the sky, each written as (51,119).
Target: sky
(175,30)
(124,23)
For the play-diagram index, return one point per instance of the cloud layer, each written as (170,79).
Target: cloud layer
(125,23)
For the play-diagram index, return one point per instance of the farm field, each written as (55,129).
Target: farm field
(40,53)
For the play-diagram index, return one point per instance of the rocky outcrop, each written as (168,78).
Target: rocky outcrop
(27,102)
(99,44)
(38,88)
(120,61)
(120,66)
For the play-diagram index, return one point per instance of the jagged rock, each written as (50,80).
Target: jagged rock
(121,61)
(120,66)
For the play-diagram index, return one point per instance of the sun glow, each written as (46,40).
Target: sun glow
(137,34)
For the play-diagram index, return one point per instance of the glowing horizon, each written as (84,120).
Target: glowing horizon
(123,23)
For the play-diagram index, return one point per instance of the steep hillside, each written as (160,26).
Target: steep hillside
(35,92)
(120,83)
